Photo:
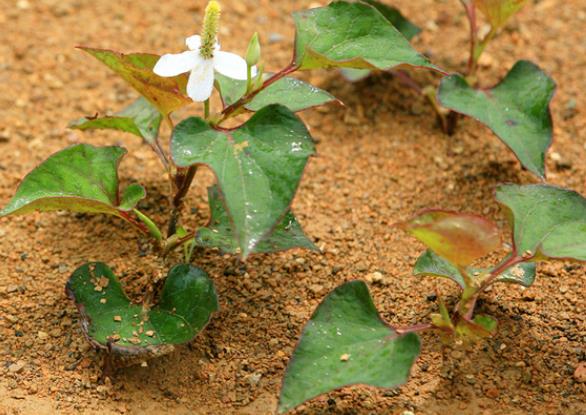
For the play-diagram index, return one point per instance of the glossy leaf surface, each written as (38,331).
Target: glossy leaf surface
(458,237)
(548,221)
(185,306)
(289,92)
(516,110)
(140,118)
(81,178)
(346,343)
(219,233)
(258,167)
(351,35)
(166,94)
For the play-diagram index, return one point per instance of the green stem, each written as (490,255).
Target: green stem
(150,224)
(206,109)
(248,78)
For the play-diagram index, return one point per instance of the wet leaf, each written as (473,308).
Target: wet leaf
(81,178)
(351,35)
(219,233)
(140,118)
(516,110)
(497,12)
(430,264)
(113,323)
(166,94)
(548,221)
(258,167)
(346,343)
(458,237)
(289,92)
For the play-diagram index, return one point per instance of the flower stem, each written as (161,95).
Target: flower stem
(206,109)
(231,109)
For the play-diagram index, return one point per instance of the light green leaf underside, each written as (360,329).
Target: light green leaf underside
(289,92)
(140,119)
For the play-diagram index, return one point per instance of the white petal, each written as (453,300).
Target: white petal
(231,65)
(173,64)
(201,81)
(193,42)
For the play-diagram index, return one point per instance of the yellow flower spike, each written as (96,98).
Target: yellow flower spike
(211,24)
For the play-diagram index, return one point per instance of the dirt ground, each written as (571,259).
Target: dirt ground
(381,158)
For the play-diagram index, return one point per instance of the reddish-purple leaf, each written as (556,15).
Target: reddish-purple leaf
(458,237)
(166,94)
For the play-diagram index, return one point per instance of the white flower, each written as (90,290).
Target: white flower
(201,77)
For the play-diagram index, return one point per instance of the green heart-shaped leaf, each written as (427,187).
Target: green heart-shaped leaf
(430,264)
(351,35)
(497,12)
(113,323)
(166,94)
(396,18)
(258,166)
(516,110)
(548,221)
(219,233)
(289,92)
(346,343)
(81,178)
(140,118)
(460,238)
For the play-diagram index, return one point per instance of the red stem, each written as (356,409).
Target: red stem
(471,14)
(292,67)
(138,225)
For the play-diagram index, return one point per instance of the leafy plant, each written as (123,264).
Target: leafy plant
(258,162)
(346,342)
(516,110)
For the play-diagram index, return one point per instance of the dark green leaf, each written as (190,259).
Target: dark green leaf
(396,18)
(258,166)
(140,118)
(166,94)
(219,233)
(81,178)
(113,323)
(290,92)
(516,110)
(346,343)
(430,264)
(548,221)
(351,35)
